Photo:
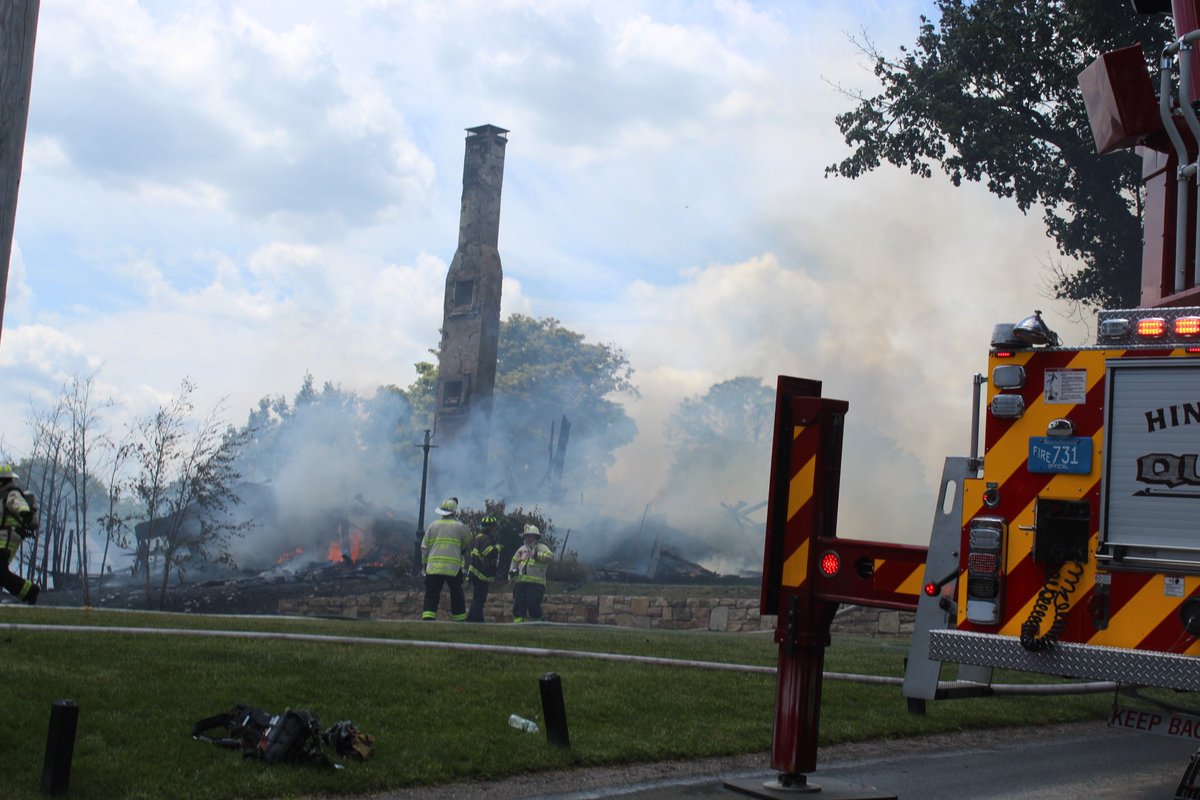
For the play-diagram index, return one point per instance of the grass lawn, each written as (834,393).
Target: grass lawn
(437,715)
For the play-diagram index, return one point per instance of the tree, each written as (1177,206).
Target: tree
(113,520)
(990,94)
(186,471)
(723,438)
(60,471)
(371,431)
(83,410)
(545,372)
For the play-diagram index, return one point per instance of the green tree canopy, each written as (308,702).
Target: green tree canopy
(723,439)
(372,431)
(544,372)
(989,93)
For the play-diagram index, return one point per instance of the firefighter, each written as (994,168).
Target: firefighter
(485,563)
(528,569)
(443,552)
(18,521)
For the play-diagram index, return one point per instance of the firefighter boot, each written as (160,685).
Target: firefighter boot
(30,595)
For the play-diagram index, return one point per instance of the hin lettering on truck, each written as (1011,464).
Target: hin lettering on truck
(1170,470)
(1153,442)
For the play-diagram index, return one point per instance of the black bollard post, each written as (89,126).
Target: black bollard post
(553,710)
(60,744)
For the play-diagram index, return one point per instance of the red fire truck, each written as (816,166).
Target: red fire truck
(1071,545)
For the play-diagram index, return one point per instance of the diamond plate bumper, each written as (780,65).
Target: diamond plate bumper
(1141,667)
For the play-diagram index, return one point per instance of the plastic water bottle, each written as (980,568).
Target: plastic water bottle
(522,724)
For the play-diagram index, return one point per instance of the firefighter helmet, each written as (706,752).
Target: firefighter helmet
(449,507)
(489,522)
(531,530)
(6,473)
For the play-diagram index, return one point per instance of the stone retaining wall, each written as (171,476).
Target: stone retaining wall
(693,613)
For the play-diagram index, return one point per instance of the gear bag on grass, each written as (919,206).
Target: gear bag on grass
(293,736)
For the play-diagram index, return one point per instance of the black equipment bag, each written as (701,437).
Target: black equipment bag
(293,736)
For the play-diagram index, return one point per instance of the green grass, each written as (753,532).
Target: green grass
(436,715)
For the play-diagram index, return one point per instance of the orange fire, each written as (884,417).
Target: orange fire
(356,540)
(288,556)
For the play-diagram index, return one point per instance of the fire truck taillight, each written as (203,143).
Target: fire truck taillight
(985,570)
(830,564)
(1151,327)
(930,589)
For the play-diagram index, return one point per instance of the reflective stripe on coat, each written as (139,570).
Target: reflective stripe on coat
(444,546)
(530,563)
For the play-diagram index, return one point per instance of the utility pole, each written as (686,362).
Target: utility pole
(18,29)
(421,511)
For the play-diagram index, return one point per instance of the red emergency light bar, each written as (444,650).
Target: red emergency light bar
(1134,326)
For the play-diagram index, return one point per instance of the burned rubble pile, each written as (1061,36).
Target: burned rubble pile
(241,592)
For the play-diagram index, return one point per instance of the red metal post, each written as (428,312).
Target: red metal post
(802,504)
(801,530)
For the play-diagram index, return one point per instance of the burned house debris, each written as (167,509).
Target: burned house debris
(653,549)
(271,543)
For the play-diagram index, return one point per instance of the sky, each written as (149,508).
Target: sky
(238,193)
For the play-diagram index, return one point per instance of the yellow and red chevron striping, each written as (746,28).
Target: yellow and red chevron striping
(805,442)
(1141,612)
(898,577)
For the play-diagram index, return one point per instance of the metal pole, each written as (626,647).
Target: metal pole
(18,30)
(974,462)
(553,710)
(60,744)
(421,511)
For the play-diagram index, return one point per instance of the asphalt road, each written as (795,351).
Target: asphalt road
(1070,762)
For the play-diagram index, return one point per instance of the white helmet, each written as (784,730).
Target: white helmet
(531,530)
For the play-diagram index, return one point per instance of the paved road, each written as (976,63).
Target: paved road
(1068,762)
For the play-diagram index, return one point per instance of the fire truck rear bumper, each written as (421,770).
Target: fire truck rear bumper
(1140,667)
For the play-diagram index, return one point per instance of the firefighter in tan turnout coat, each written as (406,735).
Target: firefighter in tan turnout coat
(443,554)
(528,571)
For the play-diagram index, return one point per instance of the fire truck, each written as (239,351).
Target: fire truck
(1067,543)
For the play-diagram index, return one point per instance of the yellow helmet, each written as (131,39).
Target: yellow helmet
(6,473)
(449,507)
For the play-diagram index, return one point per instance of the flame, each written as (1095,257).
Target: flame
(356,541)
(288,556)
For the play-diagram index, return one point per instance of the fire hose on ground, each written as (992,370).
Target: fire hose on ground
(1093,687)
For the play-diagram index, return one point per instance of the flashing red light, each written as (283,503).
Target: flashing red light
(831,563)
(1004,354)
(1191,350)
(931,589)
(1187,326)
(1151,326)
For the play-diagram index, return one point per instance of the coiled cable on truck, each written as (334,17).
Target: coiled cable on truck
(1056,595)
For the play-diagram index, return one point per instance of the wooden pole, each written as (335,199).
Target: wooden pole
(18,28)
